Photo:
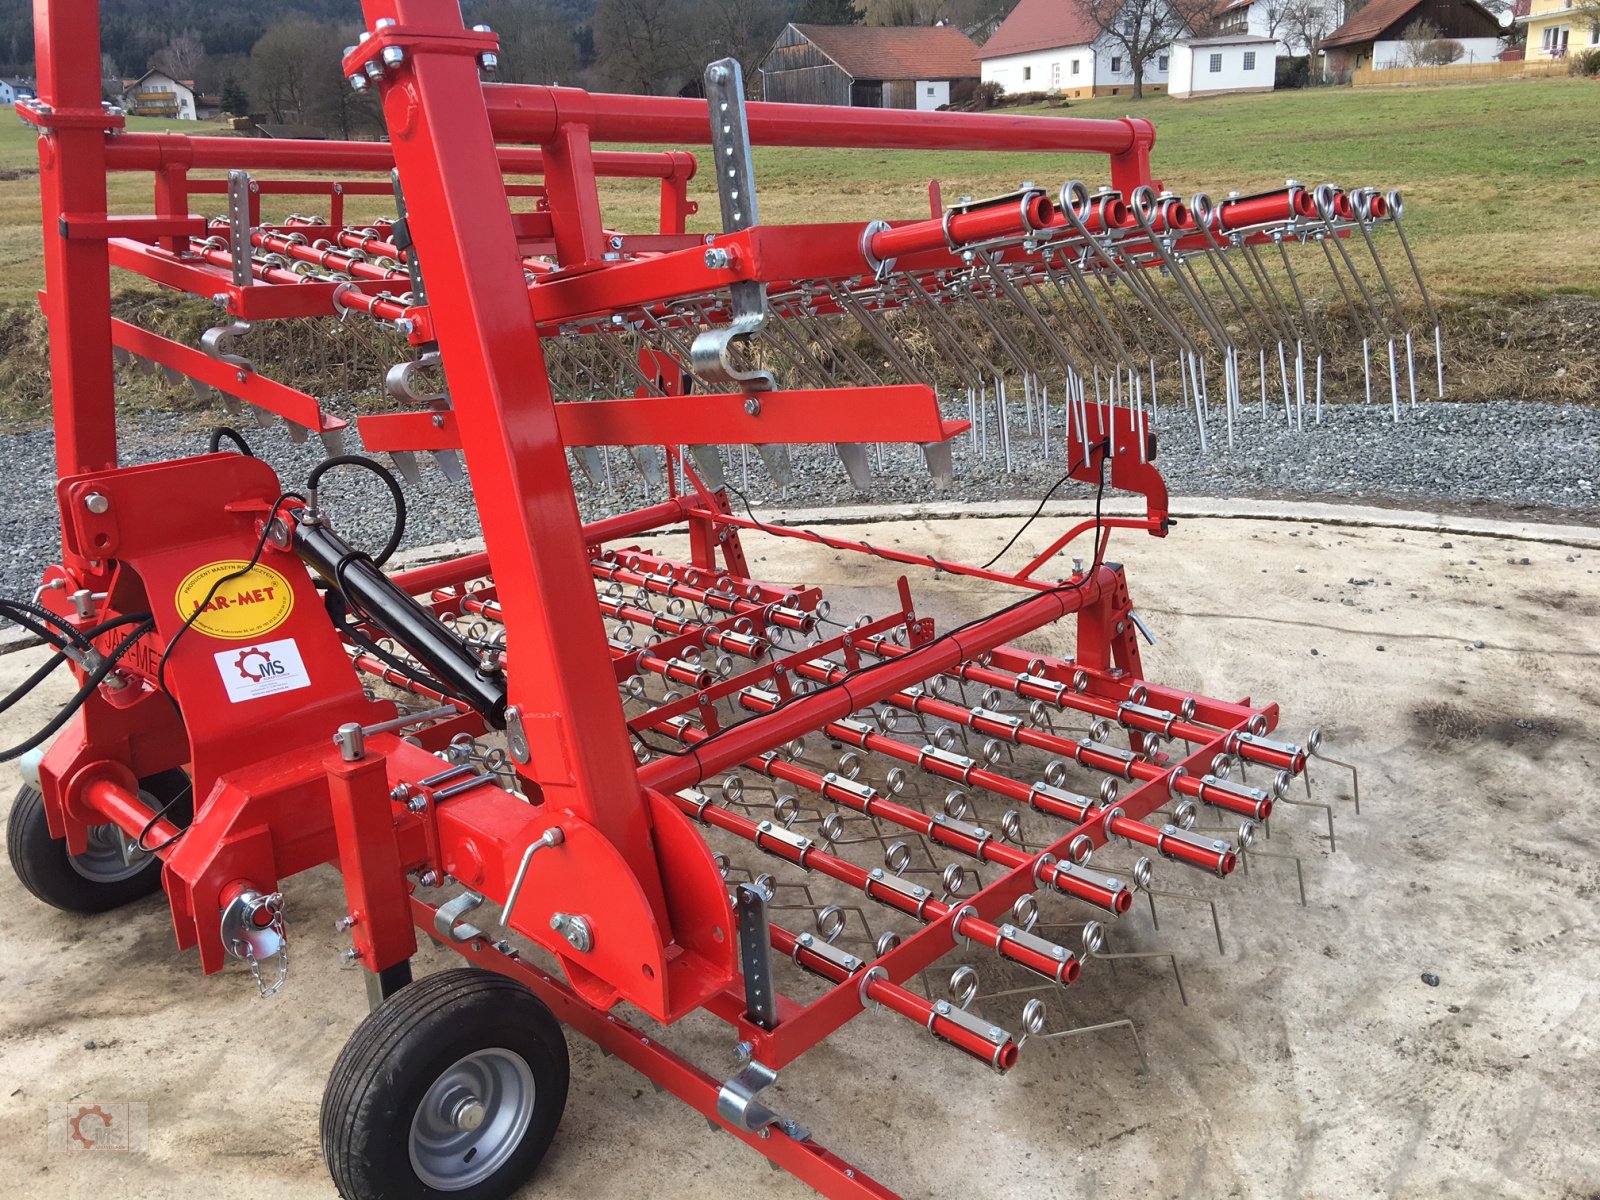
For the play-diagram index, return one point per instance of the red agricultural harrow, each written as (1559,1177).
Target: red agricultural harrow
(601,775)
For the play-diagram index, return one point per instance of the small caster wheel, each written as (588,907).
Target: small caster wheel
(452,1086)
(108,874)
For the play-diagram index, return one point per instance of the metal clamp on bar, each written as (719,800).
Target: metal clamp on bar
(1240,798)
(1058,690)
(1287,749)
(1161,715)
(1006,725)
(972,1023)
(863,794)
(1126,757)
(737,1103)
(914,892)
(842,959)
(771,831)
(956,762)
(1040,946)
(700,800)
(1063,797)
(858,730)
(966,829)
(1213,847)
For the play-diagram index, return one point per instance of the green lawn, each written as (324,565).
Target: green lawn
(1498,177)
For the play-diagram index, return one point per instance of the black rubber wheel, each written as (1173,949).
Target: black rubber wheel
(99,879)
(452,1087)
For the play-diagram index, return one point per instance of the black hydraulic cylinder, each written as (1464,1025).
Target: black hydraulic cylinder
(379,601)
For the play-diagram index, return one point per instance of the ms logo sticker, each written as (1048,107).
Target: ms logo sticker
(262,669)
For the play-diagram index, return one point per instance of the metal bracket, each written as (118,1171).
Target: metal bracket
(755,959)
(737,1103)
(447,920)
(516,735)
(709,355)
(842,959)
(239,245)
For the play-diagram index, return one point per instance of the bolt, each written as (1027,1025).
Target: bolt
(718,74)
(429,879)
(743,1052)
(406,326)
(417,804)
(96,503)
(717,258)
(351,955)
(399,792)
(393,56)
(220,299)
(752,406)
(481,29)
(616,242)
(344,923)
(488,62)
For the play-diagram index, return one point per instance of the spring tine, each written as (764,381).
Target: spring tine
(1394,383)
(854,457)
(648,460)
(708,464)
(779,464)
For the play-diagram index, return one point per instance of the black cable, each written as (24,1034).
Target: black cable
(27,614)
(1029,521)
(340,608)
(222,433)
(261,545)
(61,656)
(94,679)
(1061,589)
(389,481)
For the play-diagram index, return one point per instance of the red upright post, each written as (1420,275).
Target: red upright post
(563,688)
(77,271)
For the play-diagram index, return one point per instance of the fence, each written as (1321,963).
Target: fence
(1458,73)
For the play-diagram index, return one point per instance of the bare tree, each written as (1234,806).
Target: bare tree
(1426,46)
(644,45)
(536,44)
(182,57)
(1143,29)
(743,29)
(1307,22)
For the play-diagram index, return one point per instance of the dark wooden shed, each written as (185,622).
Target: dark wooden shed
(862,66)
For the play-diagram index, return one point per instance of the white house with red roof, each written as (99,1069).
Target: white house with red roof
(1054,46)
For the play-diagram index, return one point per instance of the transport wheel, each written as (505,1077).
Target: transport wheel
(102,877)
(453,1086)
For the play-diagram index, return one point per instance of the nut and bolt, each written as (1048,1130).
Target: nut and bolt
(717,258)
(752,407)
(429,879)
(488,62)
(743,1052)
(349,956)
(616,242)
(574,929)
(344,924)
(718,74)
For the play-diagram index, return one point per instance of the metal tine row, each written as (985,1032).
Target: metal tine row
(760,805)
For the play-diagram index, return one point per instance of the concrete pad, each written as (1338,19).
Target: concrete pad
(1311,1061)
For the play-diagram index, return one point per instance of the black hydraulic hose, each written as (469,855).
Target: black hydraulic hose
(389,481)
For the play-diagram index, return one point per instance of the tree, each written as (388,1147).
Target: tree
(741,29)
(645,45)
(1426,46)
(1143,29)
(234,99)
(826,12)
(536,44)
(182,57)
(1306,22)
(283,63)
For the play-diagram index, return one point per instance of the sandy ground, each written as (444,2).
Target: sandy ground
(1311,1061)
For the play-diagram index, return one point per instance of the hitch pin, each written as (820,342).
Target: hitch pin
(1141,626)
(552,837)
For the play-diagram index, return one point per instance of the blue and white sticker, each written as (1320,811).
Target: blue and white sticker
(260,669)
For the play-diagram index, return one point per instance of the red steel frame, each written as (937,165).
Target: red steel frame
(273,797)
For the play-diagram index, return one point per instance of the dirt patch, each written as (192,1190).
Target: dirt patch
(1451,724)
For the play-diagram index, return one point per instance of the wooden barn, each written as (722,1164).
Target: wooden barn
(1376,36)
(862,66)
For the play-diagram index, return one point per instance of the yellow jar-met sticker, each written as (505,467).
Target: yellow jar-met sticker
(250,603)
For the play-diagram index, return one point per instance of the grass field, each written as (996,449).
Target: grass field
(1501,180)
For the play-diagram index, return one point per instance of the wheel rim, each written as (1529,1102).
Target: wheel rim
(102,861)
(472,1119)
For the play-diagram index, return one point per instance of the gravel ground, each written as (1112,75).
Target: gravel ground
(1534,459)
